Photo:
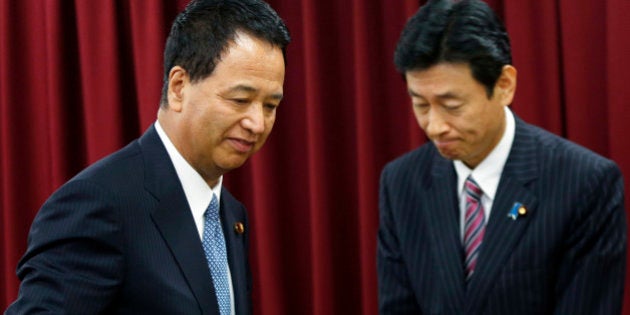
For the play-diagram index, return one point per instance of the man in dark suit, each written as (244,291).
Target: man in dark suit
(493,216)
(150,229)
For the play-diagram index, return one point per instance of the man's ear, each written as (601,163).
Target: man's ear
(177,80)
(505,88)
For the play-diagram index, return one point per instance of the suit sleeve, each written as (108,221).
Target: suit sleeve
(73,263)
(395,295)
(591,278)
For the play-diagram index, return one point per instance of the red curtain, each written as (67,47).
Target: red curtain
(80,79)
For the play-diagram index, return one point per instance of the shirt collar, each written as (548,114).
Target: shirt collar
(198,193)
(488,173)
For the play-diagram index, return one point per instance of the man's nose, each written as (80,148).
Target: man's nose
(435,124)
(254,120)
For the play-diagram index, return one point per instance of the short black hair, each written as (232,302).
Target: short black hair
(204,30)
(466,31)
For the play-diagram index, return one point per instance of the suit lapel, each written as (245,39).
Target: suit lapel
(503,232)
(233,214)
(443,221)
(174,220)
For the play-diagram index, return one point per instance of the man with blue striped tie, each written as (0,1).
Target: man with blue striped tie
(150,229)
(493,215)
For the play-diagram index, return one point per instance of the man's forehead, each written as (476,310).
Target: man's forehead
(444,80)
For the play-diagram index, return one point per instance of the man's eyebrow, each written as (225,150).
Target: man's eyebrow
(414,94)
(242,88)
(277,96)
(249,89)
(446,95)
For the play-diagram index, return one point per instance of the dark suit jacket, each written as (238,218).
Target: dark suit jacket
(565,256)
(119,238)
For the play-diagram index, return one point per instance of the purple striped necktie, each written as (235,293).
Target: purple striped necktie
(474,225)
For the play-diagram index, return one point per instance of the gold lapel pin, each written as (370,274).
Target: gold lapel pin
(239,228)
(522,210)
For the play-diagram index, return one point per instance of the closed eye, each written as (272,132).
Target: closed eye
(453,107)
(271,106)
(420,105)
(241,101)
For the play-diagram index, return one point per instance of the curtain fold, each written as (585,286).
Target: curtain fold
(80,79)
(535,39)
(584,66)
(617,64)
(364,90)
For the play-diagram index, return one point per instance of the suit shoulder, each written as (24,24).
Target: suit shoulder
(417,161)
(423,153)
(117,168)
(566,159)
(560,151)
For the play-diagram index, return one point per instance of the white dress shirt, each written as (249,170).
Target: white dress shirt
(488,173)
(198,193)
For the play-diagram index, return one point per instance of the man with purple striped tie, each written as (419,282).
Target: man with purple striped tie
(494,215)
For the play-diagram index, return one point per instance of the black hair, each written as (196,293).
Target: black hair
(466,31)
(203,31)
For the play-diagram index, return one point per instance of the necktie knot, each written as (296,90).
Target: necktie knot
(472,188)
(212,212)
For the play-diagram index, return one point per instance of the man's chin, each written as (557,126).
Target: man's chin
(448,155)
(232,164)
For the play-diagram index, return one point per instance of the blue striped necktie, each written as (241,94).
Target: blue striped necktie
(213,243)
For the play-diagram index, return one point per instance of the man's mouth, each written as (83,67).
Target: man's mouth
(241,145)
